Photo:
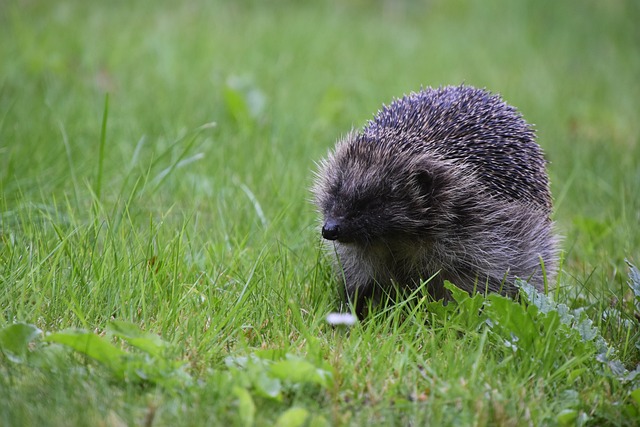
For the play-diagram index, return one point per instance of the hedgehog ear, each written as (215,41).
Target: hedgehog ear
(430,177)
(424,179)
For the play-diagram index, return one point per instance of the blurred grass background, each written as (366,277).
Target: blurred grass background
(282,80)
(319,69)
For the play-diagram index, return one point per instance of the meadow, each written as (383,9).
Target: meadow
(160,260)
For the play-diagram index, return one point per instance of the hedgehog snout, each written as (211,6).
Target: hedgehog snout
(331,229)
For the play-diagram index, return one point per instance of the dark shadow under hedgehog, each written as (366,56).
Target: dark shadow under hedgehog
(446,183)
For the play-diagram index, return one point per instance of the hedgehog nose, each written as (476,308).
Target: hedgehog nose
(331,229)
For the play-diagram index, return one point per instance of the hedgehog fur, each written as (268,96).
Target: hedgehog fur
(443,184)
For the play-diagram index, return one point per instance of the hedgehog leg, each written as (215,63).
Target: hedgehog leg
(361,298)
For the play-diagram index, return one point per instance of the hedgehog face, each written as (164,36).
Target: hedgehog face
(366,197)
(357,214)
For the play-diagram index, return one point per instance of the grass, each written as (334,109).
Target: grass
(155,161)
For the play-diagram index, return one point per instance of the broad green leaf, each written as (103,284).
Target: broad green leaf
(634,279)
(586,329)
(92,345)
(535,298)
(631,412)
(567,417)
(244,101)
(298,370)
(292,417)
(440,312)
(244,362)
(319,421)
(458,294)
(236,105)
(132,334)
(635,395)
(14,340)
(632,375)
(237,361)
(265,385)
(246,406)
(253,371)
(469,306)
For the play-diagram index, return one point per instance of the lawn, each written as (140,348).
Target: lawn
(160,261)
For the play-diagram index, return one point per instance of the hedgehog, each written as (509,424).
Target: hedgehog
(445,184)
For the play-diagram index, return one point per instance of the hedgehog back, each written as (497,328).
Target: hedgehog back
(471,126)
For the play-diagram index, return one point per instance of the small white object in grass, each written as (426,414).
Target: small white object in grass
(341,319)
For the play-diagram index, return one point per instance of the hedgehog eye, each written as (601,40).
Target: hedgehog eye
(334,189)
(367,204)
